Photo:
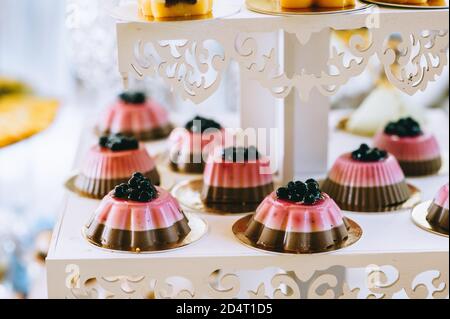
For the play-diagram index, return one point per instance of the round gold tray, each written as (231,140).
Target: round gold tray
(188,193)
(129,12)
(199,228)
(240,227)
(419,217)
(274,8)
(414,199)
(433,4)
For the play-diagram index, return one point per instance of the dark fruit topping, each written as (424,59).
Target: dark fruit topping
(134,98)
(367,154)
(406,127)
(240,154)
(119,142)
(170,3)
(307,193)
(138,189)
(200,124)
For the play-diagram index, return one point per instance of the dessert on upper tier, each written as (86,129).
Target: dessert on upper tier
(193,143)
(174,8)
(135,115)
(438,211)
(137,216)
(417,152)
(236,177)
(301,4)
(298,218)
(367,180)
(111,162)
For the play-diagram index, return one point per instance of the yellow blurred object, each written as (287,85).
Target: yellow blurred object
(22,116)
(9,86)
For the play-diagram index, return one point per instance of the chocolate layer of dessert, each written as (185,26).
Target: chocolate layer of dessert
(188,166)
(99,188)
(438,217)
(137,241)
(151,135)
(235,200)
(421,168)
(367,199)
(312,242)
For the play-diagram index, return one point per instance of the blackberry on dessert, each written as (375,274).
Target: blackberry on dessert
(119,142)
(139,189)
(367,154)
(200,124)
(240,154)
(307,193)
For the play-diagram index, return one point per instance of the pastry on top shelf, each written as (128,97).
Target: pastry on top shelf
(298,218)
(302,4)
(174,8)
(236,177)
(192,144)
(111,162)
(438,211)
(418,152)
(383,105)
(136,115)
(137,217)
(406,1)
(367,180)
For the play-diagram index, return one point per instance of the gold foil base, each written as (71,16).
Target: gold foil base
(240,227)
(129,12)
(274,8)
(199,228)
(189,193)
(434,4)
(414,199)
(342,126)
(419,217)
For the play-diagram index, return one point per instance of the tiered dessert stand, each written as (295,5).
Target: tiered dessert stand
(288,74)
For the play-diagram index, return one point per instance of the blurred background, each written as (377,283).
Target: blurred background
(63,56)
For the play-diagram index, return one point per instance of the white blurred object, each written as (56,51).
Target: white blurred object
(383,105)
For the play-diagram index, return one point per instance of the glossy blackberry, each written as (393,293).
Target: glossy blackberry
(138,189)
(307,193)
(119,142)
(405,127)
(134,98)
(240,154)
(200,124)
(367,154)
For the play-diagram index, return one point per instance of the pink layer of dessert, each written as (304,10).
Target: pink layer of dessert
(102,163)
(442,197)
(420,148)
(185,141)
(161,213)
(285,216)
(219,173)
(134,118)
(349,172)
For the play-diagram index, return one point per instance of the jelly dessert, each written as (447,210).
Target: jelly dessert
(174,8)
(438,211)
(417,152)
(298,218)
(367,180)
(135,115)
(193,143)
(137,216)
(236,178)
(111,162)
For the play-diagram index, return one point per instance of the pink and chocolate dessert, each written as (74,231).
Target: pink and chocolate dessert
(367,180)
(135,115)
(236,179)
(193,143)
(299,218)
(138,217)
(417,152)
(438,211)
(111,162)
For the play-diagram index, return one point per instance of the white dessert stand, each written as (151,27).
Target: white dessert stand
(287,77)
